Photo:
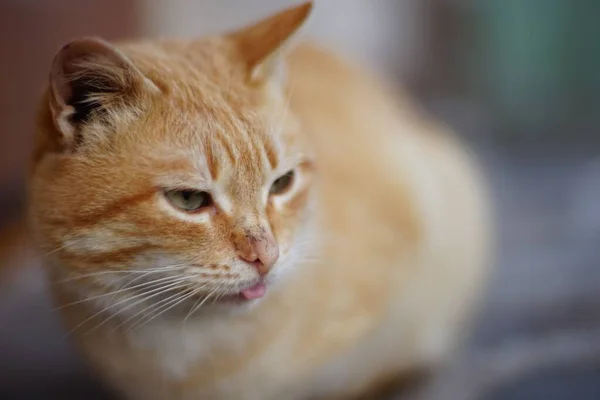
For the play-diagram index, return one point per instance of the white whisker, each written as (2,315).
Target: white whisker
(125,272)
(154,307)
(196,307)
(191,309)
(165,290)
(123,290)
(64,246)
(169,305)
(156,292)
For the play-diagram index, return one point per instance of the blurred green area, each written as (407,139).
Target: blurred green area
(535,66)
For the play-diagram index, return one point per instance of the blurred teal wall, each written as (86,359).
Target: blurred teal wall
(536,65)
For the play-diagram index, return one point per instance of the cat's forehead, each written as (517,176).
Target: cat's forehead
(233,144)
(200,147)
(208,70)
(208,112)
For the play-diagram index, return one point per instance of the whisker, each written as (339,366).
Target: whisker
(219,295)
(170,268)
(127,286)
(191,309)
(144,271)
(170,305)
(197,307)
(91,275)
(122,290)
(156,292)
(166,290)
(64,246)
(154,307)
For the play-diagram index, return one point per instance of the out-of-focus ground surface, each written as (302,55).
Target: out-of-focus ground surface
(535,335)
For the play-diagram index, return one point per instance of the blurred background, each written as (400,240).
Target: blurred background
(518,79)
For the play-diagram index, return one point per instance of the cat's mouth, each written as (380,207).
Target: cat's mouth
(254,292)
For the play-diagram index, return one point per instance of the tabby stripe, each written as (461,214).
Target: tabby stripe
(113,209)
(271,154)
(212,161)
(226,146)
(122,255)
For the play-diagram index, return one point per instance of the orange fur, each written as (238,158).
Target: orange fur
(381,241)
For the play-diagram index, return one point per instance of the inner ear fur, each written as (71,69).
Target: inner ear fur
(88,77)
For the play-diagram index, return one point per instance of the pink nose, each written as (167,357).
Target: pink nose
(259,249)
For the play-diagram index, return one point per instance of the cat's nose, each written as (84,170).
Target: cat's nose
(259,249)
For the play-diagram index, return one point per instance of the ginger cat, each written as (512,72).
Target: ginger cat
(227,218)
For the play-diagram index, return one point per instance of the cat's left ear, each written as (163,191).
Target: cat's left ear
(89,77)
(262,44)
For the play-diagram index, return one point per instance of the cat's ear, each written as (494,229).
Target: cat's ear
(88,77)
(262,44)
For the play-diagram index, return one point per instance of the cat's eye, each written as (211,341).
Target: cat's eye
(189,200)
(283,183)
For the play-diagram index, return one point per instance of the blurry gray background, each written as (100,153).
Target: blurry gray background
(518,79)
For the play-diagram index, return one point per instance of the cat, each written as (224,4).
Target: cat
(242,217)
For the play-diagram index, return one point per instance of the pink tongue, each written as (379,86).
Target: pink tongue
(255,292)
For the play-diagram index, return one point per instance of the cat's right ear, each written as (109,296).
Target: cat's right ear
(89,77)
(263,43)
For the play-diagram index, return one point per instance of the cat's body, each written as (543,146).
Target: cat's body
(383,263)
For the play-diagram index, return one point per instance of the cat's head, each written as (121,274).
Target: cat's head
(173,169)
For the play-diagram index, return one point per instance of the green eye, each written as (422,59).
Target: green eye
(282,183)
(188,200)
